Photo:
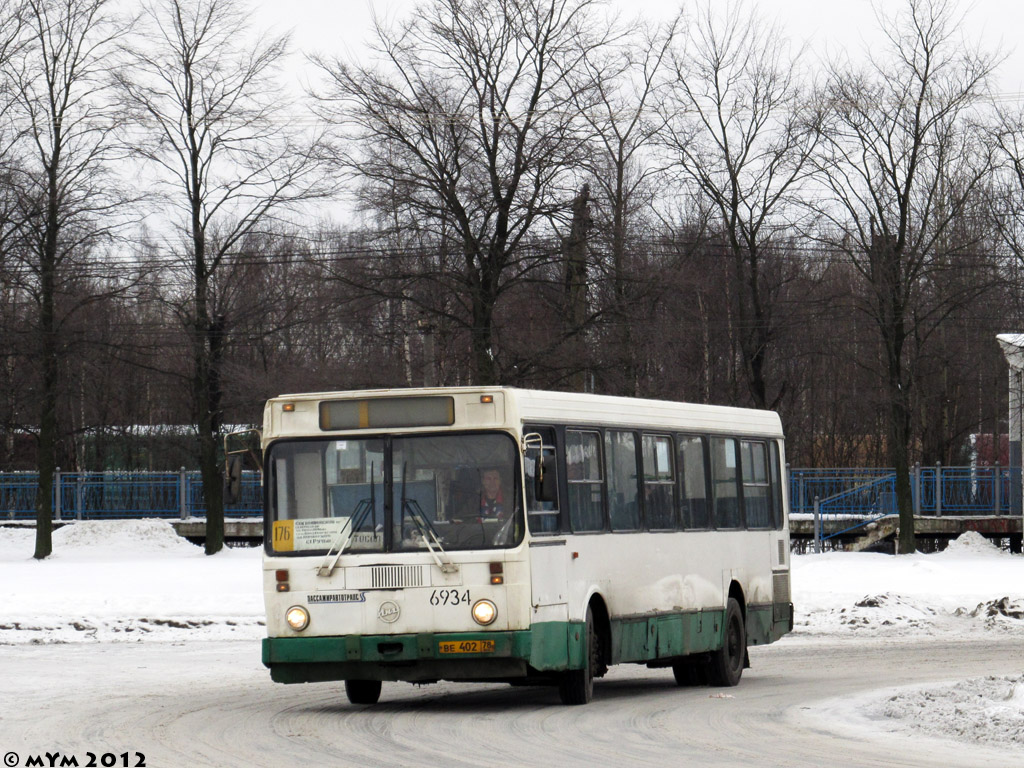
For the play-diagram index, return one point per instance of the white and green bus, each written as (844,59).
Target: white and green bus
(497,534)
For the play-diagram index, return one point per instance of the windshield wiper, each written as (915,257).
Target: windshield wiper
(424,526)
(344,537)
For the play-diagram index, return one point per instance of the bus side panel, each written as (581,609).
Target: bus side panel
(759,625)
(666,636)
(556,645)
(629,640)
(548,572)
(669,592)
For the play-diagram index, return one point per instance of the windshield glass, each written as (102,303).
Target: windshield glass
(461,489)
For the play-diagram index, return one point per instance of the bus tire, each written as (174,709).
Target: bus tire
(362,691)
(726,666)
(577,685)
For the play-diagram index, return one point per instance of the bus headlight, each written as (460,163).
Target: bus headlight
(484,612)
(297,618)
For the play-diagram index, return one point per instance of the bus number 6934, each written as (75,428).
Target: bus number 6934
(449,597)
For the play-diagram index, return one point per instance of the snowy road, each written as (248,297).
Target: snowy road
(212,704)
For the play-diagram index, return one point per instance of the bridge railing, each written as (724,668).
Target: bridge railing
(935,490)
(844,500)
(844,485)
(111,495)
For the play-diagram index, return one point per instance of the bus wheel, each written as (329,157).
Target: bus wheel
(362,691)
(727,662)
(577,685)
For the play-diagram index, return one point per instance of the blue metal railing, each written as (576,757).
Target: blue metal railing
(851,491)
(113,495)
(864,494)
(937,490)
(849,499)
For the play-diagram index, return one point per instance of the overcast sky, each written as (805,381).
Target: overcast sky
(828,26)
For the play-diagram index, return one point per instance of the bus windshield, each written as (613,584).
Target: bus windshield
(461,489)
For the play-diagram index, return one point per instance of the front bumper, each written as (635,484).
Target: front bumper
(414,657)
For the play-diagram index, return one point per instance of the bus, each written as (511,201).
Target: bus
(508,535)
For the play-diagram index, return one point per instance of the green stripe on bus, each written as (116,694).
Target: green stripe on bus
(639,639)
(547,647)
(557,645)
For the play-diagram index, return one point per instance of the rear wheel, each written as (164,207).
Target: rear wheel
(362,691)
(726,666)
(577,685)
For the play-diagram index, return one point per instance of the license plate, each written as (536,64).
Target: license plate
(467,646)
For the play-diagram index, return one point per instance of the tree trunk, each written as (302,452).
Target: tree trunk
(482,336)
(753,321)
(207,349)
(574,251)
(893,339)
(47,446)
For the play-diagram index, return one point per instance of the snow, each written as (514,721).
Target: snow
(137,581)
(972,586)
(125,580)
(970,589)
(988,710)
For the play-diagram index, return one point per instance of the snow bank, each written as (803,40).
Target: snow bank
(971,543)
(100,539)
(972,586)
(987,710)
(125,580)
(94,537)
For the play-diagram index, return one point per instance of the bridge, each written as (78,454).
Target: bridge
(856,508)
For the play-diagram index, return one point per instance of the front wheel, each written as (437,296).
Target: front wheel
(362,691)
(577,685)
(727,662)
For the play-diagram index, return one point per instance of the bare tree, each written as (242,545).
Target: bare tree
(1007,197)
(12,17)
(623,83)
(469,121)
(900,163)
(740,129)
(221,135)
(69,202)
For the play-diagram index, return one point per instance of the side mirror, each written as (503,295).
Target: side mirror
(233,479)
(546,479)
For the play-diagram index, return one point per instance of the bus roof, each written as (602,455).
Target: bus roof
(589,409)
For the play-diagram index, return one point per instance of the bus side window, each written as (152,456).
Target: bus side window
(695,508)
(623,489)
(757,501)
(776,487)
(659,483)
(725,482)
(541,516)
(583,476)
